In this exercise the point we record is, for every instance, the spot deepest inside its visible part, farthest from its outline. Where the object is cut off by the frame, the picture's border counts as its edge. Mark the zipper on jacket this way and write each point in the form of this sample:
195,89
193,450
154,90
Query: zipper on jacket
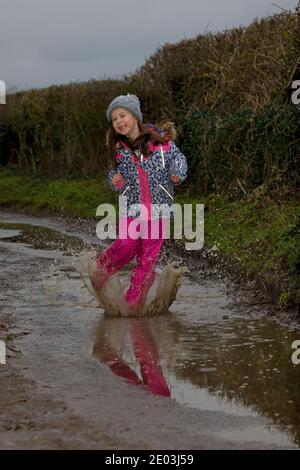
162,157
125,190
166,191
139,155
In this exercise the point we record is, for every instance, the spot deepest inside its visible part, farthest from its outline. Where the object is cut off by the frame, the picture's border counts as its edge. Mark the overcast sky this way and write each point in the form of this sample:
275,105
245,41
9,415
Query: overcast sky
44,42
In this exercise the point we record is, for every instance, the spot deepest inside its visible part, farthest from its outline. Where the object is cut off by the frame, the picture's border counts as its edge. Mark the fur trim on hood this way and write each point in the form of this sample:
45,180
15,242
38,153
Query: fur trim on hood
165,128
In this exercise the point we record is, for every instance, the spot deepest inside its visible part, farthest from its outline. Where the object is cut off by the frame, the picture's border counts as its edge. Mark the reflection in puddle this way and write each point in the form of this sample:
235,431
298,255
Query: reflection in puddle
39,238
144,352
239,366
269,435
4,234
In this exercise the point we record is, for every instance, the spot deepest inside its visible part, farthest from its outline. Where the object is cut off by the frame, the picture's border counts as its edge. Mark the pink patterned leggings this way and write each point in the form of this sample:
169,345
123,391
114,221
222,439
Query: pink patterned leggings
146,248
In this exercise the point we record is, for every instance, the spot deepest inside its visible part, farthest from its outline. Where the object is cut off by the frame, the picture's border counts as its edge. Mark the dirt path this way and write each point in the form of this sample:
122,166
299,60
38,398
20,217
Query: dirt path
55,393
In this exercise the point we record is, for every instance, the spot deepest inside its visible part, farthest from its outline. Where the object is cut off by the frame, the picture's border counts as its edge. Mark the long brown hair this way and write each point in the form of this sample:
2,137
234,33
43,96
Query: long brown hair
146,135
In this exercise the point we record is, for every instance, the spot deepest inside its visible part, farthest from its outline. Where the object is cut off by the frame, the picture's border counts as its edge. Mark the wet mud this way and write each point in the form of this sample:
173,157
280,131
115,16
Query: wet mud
210,373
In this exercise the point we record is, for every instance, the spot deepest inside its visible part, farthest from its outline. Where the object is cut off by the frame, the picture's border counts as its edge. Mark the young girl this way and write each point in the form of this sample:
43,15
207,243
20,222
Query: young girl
146,164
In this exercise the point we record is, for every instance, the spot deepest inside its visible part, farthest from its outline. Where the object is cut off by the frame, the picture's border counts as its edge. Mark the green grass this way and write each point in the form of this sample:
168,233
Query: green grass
76,197
259,232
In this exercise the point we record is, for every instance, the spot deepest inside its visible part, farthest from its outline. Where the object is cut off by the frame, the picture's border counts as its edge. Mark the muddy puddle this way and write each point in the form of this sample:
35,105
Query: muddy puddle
207,354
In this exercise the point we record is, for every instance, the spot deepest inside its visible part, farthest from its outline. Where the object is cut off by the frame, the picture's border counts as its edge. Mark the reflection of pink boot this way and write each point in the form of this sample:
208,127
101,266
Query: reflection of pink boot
146,353
105,353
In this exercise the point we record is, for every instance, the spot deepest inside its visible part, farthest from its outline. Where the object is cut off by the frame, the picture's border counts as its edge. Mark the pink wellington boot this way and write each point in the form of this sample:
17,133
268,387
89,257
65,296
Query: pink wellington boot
98,278
135,296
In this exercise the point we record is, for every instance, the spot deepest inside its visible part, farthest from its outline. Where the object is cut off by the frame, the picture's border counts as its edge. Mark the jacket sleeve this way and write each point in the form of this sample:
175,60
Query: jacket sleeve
121,167
178,163
111,174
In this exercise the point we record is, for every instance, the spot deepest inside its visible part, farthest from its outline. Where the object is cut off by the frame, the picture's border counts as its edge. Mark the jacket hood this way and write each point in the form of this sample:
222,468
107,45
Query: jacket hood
164,127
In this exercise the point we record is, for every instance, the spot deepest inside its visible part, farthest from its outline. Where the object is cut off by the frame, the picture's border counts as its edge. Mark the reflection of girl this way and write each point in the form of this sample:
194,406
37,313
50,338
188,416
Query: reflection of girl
145,166
145,350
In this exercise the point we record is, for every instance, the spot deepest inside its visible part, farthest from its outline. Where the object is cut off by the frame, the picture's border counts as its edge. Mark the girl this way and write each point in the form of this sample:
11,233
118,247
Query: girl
145,165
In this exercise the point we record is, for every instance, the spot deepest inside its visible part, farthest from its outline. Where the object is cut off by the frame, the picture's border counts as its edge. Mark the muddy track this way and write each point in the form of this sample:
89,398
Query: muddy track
59,389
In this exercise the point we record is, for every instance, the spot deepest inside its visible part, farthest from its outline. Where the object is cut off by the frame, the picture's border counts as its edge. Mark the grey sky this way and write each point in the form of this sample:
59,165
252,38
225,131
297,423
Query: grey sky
44,42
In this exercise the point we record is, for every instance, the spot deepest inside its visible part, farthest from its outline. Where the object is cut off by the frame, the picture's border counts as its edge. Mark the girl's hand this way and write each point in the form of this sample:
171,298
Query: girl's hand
175,179
118,179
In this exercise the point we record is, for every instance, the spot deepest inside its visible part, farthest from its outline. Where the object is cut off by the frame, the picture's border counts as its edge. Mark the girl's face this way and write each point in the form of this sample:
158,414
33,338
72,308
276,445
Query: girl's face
125,123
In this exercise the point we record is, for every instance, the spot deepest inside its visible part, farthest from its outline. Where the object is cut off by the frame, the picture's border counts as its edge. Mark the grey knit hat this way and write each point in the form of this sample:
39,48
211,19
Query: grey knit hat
129,102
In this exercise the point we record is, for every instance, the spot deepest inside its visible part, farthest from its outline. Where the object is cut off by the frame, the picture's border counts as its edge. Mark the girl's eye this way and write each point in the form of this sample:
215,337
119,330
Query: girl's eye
121,115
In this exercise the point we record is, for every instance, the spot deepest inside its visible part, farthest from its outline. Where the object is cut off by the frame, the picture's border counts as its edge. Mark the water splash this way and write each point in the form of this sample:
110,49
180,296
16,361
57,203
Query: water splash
111,296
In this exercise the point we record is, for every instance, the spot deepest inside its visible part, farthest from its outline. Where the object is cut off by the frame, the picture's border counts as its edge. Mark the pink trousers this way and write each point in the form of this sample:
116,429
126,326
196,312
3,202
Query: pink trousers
140,239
